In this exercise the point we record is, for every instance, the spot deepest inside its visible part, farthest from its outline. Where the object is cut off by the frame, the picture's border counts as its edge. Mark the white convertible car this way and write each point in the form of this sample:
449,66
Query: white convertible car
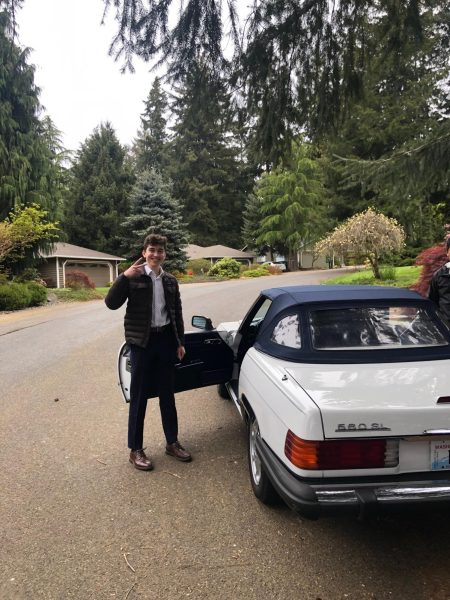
345,391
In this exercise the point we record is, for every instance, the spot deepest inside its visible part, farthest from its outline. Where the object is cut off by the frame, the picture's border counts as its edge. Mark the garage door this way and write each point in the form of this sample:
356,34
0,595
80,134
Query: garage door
98,272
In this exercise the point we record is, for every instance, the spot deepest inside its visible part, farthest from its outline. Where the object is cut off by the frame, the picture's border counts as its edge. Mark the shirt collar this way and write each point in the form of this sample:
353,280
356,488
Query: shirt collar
148,271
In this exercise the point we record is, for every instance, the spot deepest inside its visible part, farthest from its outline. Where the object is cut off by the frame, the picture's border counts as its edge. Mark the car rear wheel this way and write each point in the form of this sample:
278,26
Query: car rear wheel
262,487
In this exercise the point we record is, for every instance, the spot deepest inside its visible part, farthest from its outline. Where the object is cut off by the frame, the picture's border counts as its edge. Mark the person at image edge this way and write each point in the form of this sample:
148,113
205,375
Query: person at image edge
154,330
440,286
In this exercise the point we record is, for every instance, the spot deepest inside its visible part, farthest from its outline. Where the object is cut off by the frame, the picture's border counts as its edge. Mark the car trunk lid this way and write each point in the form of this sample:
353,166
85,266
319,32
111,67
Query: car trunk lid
368,400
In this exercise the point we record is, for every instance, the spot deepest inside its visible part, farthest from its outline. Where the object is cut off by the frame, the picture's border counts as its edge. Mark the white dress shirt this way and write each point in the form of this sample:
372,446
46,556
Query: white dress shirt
159,310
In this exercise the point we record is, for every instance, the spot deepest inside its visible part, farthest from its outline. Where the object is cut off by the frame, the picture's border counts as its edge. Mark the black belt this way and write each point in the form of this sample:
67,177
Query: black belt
160,329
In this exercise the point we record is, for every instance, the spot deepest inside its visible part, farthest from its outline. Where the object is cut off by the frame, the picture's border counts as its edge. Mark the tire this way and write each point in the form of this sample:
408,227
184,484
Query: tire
261,484
223,392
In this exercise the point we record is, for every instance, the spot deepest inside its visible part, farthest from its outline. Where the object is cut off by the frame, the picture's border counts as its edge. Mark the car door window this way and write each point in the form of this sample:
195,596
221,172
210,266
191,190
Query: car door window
261,312
251,325
287,332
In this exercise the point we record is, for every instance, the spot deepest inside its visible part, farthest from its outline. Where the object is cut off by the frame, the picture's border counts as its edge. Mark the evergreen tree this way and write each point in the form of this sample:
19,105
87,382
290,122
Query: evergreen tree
98,196
393,145
154,210
208,177
30,169
251,227
292,203
150,146
298,64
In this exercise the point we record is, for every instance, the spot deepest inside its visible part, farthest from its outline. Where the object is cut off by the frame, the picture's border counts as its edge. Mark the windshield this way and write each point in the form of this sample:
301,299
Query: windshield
368,328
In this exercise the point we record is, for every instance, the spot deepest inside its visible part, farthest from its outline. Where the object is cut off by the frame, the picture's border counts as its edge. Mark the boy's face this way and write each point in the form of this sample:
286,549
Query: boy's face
154,256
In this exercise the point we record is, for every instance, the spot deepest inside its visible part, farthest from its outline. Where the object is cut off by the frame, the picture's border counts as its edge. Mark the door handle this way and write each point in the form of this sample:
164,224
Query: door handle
213,341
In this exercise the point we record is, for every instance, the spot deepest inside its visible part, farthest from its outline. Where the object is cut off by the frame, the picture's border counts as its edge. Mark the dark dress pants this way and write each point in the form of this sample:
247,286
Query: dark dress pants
152,369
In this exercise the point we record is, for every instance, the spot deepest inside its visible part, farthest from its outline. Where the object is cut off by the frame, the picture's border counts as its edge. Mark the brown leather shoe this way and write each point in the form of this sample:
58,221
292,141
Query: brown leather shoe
140,461
177,450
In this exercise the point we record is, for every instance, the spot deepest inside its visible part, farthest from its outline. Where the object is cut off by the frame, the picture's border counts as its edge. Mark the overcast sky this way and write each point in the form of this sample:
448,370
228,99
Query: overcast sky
81,85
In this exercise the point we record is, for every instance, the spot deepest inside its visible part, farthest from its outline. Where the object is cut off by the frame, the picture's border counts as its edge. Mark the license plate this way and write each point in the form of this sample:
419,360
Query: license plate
440,455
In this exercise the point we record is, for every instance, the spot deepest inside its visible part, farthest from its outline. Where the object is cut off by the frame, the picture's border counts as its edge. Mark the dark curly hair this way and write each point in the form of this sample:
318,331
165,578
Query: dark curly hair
154,239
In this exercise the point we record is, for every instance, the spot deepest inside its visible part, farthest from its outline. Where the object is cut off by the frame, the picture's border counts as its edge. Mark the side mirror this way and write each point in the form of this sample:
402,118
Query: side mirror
202,323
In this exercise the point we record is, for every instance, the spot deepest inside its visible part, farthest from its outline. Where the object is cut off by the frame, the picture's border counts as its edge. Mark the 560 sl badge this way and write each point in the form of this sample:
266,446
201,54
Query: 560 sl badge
362,427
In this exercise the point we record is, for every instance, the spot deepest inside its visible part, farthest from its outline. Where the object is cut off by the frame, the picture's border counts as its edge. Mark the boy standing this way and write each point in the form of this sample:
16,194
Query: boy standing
154,330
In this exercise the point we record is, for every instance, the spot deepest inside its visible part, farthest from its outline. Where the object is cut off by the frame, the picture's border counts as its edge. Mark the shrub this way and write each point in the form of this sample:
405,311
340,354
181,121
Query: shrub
77,280
431,260
49,282
14,296
123,266
38,293
273,270
225,267
258,272
198,266
387,273
29,274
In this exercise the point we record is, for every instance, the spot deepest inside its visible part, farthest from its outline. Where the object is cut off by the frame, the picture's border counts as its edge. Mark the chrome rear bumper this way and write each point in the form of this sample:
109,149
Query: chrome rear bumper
387,494
313,498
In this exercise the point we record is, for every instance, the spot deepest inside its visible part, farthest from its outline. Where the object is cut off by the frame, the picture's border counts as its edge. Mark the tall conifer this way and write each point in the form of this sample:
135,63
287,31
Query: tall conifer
208,178
29,161
99,187
150,146
154,210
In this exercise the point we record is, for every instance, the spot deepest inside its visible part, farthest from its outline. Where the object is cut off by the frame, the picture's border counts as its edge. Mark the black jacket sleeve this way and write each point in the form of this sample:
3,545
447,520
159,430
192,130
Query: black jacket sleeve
179,316
118,293
433,292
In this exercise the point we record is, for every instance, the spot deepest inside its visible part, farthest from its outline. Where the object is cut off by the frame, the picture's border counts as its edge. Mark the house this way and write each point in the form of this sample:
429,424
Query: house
62,258
215,253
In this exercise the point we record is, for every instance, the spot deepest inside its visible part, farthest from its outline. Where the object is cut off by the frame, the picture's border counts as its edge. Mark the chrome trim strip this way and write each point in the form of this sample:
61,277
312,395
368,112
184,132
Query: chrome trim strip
235,399
412,493
436,432
337,496
385,494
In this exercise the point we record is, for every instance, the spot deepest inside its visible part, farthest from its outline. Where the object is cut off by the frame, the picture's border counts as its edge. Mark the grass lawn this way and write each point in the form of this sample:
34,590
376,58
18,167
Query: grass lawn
68,295
404,277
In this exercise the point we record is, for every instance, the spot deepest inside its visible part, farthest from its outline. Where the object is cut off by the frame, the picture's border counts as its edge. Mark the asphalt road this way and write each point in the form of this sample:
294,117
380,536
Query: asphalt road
78,522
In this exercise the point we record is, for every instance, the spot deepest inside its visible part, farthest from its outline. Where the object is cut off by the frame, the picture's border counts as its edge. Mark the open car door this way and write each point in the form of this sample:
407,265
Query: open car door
208,361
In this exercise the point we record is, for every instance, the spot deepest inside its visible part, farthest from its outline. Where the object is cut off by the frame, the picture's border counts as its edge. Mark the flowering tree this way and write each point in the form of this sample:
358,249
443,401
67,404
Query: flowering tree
369,234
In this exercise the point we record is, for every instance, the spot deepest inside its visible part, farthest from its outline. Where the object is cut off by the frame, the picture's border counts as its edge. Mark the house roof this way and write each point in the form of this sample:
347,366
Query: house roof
218,251
63,250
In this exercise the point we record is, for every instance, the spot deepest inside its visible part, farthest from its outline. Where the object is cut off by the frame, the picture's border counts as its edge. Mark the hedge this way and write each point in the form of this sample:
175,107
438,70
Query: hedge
14,296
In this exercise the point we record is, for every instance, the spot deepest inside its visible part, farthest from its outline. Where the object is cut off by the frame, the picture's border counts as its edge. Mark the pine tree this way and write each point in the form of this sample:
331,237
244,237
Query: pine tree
299,65
98,196
150,146
208,177
30,169
154,210
393,144
292,203
251,228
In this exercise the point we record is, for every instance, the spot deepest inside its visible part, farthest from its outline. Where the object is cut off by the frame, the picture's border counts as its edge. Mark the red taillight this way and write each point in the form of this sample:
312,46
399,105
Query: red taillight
340,454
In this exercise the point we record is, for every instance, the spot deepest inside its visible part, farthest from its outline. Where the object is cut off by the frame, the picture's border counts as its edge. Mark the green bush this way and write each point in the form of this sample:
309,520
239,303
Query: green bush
14,296
261,272
28,274
225,267
38,293
387,273
198,266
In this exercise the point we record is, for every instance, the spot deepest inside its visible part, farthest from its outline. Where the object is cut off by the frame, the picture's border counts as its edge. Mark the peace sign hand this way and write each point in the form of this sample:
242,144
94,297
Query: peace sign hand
136,269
